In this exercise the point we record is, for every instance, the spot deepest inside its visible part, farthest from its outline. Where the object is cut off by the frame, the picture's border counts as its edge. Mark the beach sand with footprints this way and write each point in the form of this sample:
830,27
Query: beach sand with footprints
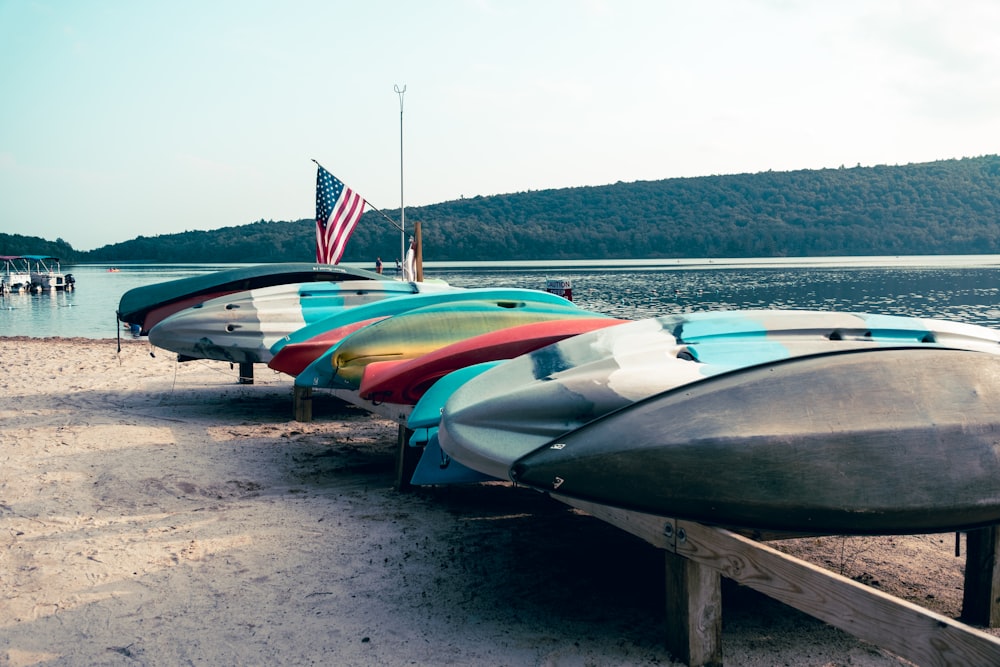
159,513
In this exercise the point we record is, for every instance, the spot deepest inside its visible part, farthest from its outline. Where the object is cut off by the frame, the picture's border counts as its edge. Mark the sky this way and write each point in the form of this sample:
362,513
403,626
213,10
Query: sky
121,118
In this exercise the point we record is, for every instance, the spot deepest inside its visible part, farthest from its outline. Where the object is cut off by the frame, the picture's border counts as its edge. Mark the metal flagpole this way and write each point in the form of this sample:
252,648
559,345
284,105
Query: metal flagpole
402,210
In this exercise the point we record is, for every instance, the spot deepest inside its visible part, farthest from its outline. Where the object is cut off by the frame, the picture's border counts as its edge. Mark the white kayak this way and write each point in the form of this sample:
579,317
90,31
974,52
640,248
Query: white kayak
242,327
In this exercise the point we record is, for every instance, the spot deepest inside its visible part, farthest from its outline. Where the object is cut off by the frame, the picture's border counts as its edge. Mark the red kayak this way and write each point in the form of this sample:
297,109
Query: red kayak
294,357
405,381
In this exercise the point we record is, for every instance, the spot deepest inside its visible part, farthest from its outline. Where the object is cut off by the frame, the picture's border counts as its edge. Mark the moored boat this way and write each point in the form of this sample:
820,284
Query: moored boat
45,273
16,274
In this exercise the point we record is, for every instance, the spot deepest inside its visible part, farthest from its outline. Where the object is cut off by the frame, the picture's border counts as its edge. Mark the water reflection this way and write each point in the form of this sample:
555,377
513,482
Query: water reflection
969,295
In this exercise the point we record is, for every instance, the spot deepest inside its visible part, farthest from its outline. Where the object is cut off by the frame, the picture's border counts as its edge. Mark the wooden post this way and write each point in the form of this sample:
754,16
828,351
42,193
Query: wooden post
694,612
981,595
246,372
406,458
302,405
418,252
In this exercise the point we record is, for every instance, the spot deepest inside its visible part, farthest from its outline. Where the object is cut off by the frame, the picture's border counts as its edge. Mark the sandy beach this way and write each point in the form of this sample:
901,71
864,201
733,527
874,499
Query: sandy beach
157,513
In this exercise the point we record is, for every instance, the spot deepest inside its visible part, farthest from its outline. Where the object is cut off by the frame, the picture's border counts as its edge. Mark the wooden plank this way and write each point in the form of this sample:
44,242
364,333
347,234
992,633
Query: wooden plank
694,612
909,631
981,595
657,530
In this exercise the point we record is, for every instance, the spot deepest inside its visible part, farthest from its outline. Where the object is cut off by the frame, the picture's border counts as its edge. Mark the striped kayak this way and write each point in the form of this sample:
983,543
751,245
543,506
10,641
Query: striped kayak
150,304
242,327
418,332
293,358
312,375
406,380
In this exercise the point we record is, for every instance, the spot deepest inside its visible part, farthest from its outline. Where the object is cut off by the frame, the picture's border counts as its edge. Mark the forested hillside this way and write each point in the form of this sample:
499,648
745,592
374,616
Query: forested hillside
945,207
16,244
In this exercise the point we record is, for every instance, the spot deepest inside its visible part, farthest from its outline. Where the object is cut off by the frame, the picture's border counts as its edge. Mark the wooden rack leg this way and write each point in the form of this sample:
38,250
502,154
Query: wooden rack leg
406,458
246,373
981,596
694,612
302,405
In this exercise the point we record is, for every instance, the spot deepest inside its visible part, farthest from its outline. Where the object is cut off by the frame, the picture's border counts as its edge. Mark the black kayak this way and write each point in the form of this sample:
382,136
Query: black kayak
878,441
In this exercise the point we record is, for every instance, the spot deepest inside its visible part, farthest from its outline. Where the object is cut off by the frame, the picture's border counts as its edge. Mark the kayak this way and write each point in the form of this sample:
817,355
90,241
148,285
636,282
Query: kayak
874,441
405,380
242,327
320,370
150,304
293,358
418,332
562,387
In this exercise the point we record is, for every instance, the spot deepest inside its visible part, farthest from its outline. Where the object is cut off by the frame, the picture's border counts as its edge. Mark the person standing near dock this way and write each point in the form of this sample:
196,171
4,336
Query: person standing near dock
378,265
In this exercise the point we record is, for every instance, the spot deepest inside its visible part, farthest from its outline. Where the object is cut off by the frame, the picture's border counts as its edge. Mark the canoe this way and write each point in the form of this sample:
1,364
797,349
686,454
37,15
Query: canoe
241,327
150,304
421,331
561,387
317,372
875,441
405,381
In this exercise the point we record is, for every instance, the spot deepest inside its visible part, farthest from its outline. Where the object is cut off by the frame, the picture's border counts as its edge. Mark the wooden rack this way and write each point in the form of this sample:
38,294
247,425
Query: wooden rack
697,556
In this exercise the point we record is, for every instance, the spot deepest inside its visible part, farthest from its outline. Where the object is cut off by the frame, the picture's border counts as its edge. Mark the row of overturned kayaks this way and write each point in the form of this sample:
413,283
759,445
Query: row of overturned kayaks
776,420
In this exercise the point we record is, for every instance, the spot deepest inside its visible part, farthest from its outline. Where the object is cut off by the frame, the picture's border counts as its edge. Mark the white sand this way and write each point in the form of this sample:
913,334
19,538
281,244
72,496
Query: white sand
155,513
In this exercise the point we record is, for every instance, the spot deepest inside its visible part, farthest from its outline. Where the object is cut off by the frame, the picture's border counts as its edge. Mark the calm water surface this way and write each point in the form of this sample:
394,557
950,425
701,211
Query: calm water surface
962,288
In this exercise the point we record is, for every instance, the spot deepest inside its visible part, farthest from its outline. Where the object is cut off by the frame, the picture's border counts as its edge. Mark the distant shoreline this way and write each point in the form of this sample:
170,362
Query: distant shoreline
836,261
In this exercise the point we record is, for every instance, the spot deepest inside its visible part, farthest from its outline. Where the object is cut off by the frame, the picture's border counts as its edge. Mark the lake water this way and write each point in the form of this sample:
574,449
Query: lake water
964,288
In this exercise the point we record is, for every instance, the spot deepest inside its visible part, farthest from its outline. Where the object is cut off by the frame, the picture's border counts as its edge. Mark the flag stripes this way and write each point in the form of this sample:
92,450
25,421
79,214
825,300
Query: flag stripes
338,210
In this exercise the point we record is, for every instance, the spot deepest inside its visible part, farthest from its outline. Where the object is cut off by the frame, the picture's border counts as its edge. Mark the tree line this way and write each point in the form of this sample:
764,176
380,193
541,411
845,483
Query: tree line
942,207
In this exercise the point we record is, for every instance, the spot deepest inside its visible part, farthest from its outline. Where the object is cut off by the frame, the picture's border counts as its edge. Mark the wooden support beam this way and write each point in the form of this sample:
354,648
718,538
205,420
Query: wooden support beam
694,612
302,404
981,595
907,630
246,373
406,458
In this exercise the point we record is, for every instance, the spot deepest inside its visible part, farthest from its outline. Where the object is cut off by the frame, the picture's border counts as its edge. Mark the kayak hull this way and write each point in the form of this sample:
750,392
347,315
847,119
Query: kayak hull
406,380
862,442
150,304
242,327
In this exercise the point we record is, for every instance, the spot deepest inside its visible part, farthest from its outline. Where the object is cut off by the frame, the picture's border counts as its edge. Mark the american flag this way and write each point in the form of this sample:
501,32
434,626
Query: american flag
338,209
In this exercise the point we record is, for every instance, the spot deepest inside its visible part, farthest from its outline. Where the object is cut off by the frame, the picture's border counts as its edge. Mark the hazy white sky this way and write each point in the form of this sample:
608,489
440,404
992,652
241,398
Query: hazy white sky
124,117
